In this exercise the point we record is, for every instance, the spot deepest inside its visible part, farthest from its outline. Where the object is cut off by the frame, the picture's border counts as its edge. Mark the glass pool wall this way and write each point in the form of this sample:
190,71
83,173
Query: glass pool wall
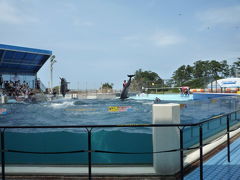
201,110
116,139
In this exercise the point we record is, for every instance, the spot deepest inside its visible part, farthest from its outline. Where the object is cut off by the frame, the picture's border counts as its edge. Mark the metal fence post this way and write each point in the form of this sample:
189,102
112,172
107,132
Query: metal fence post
3,154
201,151
228,137
181,153
89,154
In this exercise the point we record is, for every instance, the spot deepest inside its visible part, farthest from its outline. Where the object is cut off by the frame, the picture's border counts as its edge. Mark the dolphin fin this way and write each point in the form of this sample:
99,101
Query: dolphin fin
130,76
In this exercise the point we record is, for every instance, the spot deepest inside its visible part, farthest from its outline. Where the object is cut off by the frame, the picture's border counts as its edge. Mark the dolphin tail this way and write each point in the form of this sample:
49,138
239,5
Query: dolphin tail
130,76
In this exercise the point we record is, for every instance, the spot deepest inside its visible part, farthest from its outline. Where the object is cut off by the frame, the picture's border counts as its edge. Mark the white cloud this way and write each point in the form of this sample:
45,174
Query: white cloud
159,39
10,14
78,22
166,39
220,16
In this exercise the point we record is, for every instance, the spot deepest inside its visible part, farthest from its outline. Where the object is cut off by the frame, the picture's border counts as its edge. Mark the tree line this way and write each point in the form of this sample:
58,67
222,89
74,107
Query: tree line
204,72
201,73
198,75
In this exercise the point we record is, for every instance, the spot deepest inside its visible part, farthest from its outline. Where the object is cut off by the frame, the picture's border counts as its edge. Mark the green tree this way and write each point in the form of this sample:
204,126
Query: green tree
235,68
146,79
214,69
225,69
203,72
182,75
201,69
107,86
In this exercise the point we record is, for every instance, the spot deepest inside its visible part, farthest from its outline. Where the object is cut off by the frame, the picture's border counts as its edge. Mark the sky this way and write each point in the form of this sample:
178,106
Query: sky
99,41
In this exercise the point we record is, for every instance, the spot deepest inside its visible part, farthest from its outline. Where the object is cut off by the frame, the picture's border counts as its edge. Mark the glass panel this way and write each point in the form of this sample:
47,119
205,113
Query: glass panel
30,57
8,55
19,55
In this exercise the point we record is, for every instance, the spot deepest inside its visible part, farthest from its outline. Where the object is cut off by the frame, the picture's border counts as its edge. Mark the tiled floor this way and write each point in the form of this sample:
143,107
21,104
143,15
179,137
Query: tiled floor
218,168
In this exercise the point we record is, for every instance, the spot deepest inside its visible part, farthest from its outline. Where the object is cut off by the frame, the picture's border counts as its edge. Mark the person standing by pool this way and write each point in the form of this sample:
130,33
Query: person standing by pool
185,90
124,83
181,90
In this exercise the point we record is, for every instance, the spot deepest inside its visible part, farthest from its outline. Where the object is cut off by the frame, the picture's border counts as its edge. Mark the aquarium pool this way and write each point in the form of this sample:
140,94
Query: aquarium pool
163,97
99,112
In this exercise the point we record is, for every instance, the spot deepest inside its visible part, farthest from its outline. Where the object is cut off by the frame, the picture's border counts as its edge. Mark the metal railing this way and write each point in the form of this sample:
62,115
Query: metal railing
89,150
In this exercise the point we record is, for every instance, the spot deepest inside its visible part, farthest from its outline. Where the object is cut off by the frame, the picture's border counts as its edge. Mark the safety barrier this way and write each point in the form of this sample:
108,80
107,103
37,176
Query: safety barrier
89,150
223,90
197,90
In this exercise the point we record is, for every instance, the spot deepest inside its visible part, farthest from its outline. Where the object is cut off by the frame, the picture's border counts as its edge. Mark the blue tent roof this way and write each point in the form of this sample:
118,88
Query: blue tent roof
16,59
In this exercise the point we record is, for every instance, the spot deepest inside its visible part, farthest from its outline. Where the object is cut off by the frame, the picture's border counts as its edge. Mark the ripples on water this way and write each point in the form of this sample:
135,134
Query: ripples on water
96,112
76,112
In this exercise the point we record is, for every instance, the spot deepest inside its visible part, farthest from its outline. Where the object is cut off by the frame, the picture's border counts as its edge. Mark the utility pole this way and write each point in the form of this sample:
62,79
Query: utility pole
52,61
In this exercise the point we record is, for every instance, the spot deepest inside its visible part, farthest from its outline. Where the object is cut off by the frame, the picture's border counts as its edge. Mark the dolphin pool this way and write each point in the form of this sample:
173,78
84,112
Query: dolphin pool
163,97
136,110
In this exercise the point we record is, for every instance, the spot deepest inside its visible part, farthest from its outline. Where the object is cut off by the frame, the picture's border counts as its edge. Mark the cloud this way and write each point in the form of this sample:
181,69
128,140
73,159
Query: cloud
10,14
220,16
159,39
78,22
166,39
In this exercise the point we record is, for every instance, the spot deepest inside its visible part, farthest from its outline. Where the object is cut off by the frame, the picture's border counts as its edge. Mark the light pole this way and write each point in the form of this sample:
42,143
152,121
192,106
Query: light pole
52,61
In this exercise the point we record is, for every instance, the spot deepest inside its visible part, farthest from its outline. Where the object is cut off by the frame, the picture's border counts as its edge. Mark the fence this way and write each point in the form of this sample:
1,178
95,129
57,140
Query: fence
89,150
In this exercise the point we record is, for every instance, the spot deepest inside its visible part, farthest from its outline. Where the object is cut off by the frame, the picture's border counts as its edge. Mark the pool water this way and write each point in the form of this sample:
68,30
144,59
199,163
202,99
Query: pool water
99,112
110,112
78,112
163,97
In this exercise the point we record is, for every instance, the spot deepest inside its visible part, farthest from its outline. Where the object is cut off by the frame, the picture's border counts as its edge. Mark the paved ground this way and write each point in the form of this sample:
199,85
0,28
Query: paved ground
85,178
218,168
33,172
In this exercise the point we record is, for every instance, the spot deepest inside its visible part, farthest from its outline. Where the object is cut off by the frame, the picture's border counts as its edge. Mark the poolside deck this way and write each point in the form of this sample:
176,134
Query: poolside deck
48,172
218,167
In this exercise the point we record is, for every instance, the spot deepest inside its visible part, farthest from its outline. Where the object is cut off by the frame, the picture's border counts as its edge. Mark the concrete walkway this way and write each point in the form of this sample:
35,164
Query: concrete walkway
33,172
79,170
218,168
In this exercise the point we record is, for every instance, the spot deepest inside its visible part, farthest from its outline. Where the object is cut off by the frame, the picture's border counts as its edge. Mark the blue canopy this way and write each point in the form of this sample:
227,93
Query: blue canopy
22,60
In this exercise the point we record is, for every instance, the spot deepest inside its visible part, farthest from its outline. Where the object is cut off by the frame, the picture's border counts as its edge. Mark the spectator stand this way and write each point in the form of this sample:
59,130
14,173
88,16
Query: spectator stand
18,70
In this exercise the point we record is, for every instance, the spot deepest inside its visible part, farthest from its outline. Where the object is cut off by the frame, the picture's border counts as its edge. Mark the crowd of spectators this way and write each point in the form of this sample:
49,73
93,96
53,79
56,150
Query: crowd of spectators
15,88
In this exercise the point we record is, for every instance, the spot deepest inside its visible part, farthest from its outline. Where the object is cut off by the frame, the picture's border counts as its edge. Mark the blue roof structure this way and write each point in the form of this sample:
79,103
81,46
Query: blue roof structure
22,60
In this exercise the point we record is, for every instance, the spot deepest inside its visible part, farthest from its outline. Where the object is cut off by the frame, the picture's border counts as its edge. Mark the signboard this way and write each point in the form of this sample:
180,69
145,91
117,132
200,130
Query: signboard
119,108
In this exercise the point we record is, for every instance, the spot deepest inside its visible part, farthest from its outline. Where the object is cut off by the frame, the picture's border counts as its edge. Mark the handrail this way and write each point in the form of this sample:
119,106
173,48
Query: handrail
90,151
119,125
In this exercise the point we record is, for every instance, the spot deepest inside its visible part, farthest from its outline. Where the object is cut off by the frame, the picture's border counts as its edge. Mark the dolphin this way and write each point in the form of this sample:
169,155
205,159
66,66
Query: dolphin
64,86
124,93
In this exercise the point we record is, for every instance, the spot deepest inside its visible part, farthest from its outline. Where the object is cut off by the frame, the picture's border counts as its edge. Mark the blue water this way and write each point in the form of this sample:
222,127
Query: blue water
78,112
96,112
89,112
163,97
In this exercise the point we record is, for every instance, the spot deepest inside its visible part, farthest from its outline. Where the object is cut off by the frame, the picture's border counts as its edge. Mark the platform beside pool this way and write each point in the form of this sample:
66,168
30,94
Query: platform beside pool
218,166
199,96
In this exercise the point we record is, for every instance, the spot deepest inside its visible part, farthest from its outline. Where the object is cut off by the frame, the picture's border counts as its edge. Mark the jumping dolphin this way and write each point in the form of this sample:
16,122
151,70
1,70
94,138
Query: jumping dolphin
64,86
124,93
